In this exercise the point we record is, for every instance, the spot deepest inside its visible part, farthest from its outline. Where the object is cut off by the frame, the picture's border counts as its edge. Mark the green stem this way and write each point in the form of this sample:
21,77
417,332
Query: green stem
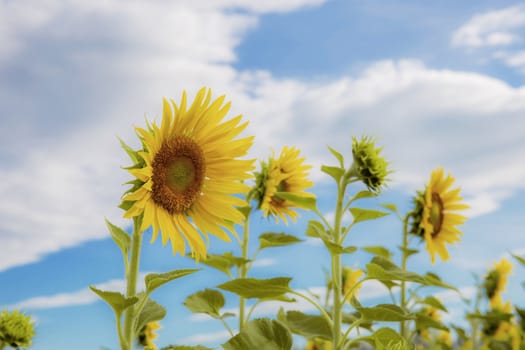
337,315
243,271
131,290
316,305
252,309
403,328
475,322
227,327
354,324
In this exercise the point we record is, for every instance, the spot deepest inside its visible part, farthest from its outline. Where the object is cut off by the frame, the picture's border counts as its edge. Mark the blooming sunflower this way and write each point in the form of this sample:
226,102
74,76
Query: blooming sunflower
284,174
350,278
439,217
148,335
496,281
188,172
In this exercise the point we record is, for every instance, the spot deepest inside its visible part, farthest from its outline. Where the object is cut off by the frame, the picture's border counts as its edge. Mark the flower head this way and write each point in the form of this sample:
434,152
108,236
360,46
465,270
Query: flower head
350,279
432,313
496,281
287,174
187,173
369,165
438,219
147,335
318,344
16,329
445,338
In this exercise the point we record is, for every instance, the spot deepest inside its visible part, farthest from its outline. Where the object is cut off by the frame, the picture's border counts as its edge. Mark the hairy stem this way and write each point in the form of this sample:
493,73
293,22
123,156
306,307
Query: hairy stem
337,315
404,254
131,290
243,271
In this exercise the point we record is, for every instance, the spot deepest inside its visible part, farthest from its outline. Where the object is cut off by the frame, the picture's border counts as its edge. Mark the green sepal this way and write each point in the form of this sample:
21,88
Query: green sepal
309,326
121,238
385,313
337,155
261,334
272,239
155,280
258,288
305,202
335,172
133,155
379,251
360,214
206,301
245,211
117,301
433,301
151,312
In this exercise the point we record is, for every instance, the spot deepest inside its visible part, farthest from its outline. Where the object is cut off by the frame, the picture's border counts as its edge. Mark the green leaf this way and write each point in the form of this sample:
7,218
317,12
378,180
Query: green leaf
338,249
462,334
335,172
379,251
360,214
155,280
305,202
261,334
407,251
150,313
206,301
391,207
384,270
224,262
386,339
363,194
520,259
245,211
186,347
309,326
338,155
271,239
258,288
424,322
120,237
349,318
317,230
433,301
117,301
385,313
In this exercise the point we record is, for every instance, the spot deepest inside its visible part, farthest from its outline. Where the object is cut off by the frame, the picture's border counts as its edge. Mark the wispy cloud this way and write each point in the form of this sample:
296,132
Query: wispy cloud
205,338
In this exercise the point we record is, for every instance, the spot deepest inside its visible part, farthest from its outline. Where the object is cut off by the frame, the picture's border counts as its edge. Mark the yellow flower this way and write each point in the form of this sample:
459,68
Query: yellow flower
350,278
148,335
284,174
439,218
444,337
496,281
432,313
188,173
318,344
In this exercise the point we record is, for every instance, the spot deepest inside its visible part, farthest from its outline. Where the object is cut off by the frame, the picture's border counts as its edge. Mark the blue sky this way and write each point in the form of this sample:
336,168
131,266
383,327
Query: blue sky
438,84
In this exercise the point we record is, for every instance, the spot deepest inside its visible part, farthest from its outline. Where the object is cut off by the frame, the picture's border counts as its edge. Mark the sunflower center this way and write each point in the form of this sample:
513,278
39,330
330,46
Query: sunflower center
281,187
436,213
178,174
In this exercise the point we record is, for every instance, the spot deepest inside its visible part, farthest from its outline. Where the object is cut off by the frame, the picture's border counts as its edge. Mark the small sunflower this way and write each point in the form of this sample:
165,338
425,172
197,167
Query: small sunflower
369,165
16,329
287,174
318,344
439,217
432,313
496,281
187,173
147,335
350,278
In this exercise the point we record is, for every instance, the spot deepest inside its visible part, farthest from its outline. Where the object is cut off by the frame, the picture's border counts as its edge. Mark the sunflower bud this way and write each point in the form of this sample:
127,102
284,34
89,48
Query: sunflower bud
16,329
369,166
147,335
350,278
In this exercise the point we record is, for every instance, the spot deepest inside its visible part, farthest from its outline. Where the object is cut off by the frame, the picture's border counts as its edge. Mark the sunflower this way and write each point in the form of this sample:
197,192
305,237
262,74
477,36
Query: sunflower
187,174
284,174
439,217
350,278
16,329
432,313
496,281
148,335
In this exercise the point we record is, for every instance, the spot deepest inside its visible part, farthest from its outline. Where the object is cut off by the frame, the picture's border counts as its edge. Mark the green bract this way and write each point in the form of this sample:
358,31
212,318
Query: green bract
16,329
369,166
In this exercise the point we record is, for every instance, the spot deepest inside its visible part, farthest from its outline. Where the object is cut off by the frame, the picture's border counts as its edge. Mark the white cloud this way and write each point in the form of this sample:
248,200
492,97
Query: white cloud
494,28
80,297
264,262
205,338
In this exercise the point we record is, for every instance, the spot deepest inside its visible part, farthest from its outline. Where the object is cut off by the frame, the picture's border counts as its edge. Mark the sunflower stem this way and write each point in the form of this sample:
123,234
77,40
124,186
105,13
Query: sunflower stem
243,271
337,315
131,290
404,258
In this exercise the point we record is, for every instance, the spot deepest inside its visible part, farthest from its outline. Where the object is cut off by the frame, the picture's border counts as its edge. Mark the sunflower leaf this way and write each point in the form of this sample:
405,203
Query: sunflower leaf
120,237
424,321
271,239
360,214
155,280
433,301
386,339
338,155
150,313
520,259
309,326
335,248
261,334
385,313
391,207
316,229
258,288
206,301
224,262
379,251
363,194
305,202
335,172
117,301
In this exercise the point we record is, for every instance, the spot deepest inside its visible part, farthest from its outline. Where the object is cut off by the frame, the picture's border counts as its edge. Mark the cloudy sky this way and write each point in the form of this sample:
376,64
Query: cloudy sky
438,84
